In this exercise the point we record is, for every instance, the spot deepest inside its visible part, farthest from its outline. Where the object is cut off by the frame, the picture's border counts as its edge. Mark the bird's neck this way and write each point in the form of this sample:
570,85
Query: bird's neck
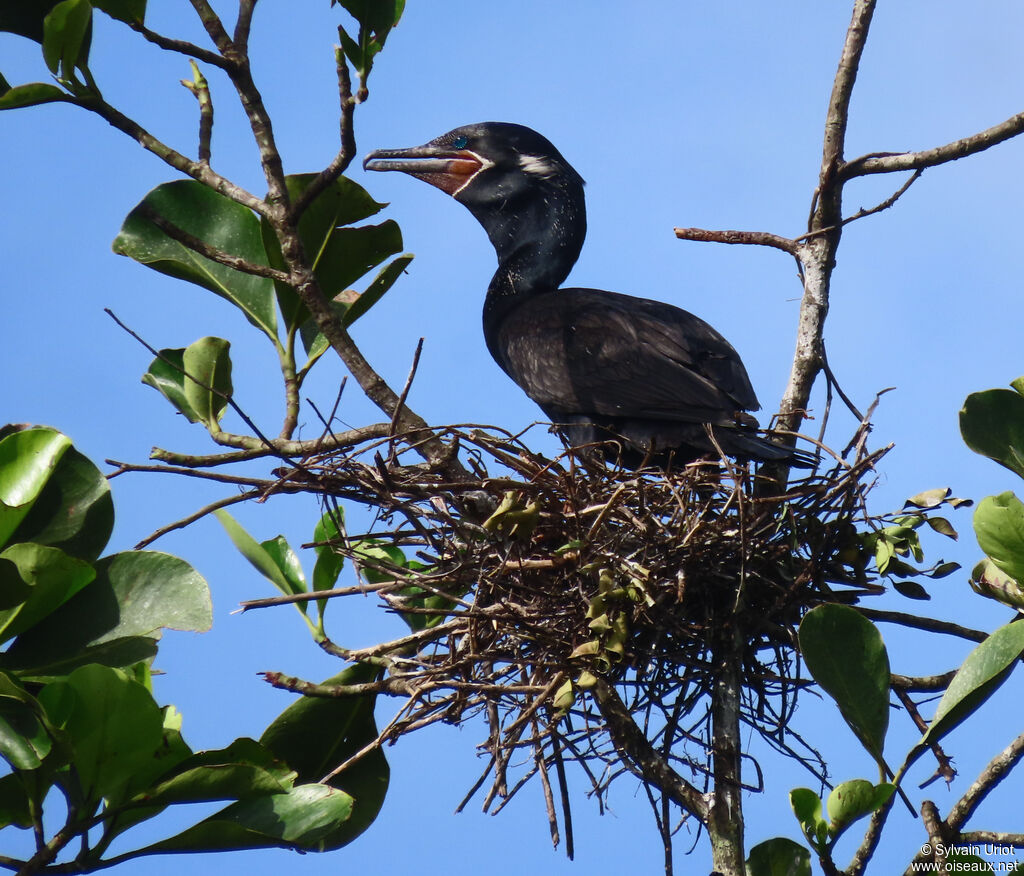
537,243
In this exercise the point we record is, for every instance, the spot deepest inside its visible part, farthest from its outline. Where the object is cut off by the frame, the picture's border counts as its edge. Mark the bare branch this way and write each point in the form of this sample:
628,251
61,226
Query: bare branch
922,623
997,769
200,88
754,238
182,47
197,515
637,750
891,162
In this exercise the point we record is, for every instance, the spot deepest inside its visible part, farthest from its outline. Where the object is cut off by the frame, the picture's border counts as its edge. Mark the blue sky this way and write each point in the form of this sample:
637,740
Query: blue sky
676,114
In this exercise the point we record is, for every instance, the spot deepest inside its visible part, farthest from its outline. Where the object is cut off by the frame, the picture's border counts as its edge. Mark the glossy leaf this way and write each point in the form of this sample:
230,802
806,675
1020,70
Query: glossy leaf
846,655
341,203
166,375
25,17
329,562
254,552
806,806
207,382
31,94
28,459
287,561
245,768
779,857
112,724
316,734
24,738
989,580
131,11
352,252
73,510
992,424
303,818
66,31
999,527
136,593
52,578
380,284
217,221
14,802
985,668
855,799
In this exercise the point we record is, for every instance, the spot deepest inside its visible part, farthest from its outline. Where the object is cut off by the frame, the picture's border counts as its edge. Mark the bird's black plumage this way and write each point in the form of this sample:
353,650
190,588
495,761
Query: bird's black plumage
600,364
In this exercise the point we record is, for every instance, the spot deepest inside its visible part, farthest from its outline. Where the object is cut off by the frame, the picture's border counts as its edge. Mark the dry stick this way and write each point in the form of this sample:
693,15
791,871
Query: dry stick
892,162
818,255
637,750
998,769
402,397
922,623
945,768
545,782
197,515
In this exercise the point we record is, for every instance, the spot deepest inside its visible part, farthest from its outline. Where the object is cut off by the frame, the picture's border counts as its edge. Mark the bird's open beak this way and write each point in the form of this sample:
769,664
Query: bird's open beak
446,168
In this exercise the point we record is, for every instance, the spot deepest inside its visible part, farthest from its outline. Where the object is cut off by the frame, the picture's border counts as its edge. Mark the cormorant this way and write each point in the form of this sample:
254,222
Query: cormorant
601,365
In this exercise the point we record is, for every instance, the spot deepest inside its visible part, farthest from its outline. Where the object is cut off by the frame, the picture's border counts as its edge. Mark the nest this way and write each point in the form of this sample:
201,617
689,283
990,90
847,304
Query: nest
558,598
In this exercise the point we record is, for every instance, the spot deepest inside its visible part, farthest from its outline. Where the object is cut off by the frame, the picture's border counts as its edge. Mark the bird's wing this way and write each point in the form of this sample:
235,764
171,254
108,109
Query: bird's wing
588,351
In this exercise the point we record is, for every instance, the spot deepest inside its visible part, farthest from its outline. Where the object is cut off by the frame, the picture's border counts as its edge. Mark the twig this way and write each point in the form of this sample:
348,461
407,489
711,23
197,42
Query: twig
861,213
922,623
182,47
754,238
206,250
400,406
347,150
997,769
192,518
200,88
892,162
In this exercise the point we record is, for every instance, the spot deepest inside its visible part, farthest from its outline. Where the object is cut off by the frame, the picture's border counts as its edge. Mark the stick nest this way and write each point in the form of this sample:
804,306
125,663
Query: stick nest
558,596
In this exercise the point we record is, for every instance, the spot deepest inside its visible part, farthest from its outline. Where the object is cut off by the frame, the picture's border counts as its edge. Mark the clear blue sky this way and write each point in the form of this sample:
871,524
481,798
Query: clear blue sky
676,114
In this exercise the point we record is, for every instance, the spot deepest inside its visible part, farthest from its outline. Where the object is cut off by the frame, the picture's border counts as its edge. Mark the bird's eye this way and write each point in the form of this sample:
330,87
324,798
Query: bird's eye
460,142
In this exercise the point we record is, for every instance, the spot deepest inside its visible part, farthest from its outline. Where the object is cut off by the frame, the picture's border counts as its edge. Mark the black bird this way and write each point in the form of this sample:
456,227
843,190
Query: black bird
601,365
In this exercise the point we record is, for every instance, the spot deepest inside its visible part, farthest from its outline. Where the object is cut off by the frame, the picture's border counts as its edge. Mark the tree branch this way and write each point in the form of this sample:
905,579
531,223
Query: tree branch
892,162
634,746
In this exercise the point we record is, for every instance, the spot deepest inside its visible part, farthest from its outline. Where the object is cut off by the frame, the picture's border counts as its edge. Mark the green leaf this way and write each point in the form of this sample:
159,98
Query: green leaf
136,593
130,11
66,36
350,253
315,734
28,459
282,555
985,668
846,655
208,379
341,203
329,562
166,375
992,424
73,510
25,17
24,738
990,581
304,818
999,527
15,808
942,526
254,552
806,807
779,857
111,723
52,578
31,94
243,769
380,284
855,799
217,221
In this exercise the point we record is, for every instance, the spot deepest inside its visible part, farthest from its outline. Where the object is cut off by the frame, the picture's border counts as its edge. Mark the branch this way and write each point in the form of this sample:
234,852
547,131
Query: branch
197,515
206,250
922,623
348,140
891,162
182,47
998,768
754,238
634,746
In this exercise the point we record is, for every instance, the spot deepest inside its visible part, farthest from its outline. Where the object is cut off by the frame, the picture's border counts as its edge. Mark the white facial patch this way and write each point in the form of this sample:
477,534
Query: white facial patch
537,165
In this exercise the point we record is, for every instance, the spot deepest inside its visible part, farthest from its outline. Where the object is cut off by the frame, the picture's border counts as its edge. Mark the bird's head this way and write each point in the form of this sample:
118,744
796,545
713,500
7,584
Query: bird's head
487,166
